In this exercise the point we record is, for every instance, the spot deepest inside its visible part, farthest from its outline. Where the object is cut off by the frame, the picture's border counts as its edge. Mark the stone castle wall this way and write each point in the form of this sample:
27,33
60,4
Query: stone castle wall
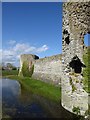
46,69
76,17
29,58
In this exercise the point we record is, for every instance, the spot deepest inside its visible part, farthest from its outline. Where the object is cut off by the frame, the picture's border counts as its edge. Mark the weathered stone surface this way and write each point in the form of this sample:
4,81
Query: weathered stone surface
29,58
76,17
48,69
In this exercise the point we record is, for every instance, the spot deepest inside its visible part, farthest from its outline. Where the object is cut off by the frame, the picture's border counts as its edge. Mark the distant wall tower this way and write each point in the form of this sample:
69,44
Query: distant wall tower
76,18
28,58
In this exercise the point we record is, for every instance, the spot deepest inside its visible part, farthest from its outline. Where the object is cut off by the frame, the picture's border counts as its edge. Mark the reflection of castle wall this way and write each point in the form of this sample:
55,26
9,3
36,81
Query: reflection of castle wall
75,25
25,96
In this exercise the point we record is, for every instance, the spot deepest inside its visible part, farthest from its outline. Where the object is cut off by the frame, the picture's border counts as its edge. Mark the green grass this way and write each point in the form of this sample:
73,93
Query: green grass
9,72
86,71
46,90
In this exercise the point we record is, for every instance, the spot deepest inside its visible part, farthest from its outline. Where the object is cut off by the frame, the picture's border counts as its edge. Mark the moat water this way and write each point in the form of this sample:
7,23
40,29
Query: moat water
20,103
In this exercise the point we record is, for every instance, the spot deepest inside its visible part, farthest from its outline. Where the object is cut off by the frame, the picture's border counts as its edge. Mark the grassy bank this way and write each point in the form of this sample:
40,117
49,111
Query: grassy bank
46,90
9,72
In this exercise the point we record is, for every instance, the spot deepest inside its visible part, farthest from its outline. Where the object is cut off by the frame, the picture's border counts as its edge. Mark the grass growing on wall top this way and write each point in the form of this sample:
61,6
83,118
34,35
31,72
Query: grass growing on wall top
86,71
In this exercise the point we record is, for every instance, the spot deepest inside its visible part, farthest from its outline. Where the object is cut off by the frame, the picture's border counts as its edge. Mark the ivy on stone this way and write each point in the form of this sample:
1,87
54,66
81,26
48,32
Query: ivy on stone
26,71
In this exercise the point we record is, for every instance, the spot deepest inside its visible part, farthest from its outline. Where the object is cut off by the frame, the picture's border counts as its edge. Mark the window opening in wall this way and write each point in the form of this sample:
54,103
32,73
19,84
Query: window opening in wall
65,32
76,64
87,40
67,40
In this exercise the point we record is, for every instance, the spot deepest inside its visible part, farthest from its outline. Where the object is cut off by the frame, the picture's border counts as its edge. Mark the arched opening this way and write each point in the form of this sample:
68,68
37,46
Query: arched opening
67,40
76,64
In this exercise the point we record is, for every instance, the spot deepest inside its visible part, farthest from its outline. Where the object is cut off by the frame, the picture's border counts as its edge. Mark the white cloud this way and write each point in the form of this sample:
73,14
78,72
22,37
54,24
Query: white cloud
20,47
42,49
0,56
12,54
12,42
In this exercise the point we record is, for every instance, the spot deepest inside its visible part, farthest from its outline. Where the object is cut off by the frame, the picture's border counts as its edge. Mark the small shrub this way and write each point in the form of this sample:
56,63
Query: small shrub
14,68
70,81
73,88
76,110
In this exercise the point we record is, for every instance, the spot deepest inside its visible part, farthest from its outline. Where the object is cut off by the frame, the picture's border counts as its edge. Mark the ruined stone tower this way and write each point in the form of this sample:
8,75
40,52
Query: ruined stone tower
76,18
28,58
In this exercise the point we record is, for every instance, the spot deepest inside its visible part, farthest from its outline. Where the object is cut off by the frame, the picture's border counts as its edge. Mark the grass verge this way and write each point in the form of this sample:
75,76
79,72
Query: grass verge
9,72
41,88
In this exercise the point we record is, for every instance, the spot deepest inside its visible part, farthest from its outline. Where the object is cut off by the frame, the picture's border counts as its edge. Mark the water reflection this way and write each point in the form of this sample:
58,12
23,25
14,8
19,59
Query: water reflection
0,99
19,103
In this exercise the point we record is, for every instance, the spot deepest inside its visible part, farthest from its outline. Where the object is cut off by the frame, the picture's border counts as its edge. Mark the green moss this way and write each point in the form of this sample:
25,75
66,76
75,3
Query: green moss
73,86
26,71
32,70
76,110
86,71
70,81
77,81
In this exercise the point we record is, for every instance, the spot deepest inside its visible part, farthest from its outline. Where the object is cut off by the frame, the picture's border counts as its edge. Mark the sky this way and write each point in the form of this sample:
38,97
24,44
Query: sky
31,28
87,40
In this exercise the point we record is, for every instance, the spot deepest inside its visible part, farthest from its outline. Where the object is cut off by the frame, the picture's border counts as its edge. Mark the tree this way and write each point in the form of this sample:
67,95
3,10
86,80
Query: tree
10,66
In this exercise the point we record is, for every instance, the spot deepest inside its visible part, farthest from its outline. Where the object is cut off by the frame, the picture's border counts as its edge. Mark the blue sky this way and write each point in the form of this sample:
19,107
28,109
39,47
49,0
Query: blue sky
31,28
87,39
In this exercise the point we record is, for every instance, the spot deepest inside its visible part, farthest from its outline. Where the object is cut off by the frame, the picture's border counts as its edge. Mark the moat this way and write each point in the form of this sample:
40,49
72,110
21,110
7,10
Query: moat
19,103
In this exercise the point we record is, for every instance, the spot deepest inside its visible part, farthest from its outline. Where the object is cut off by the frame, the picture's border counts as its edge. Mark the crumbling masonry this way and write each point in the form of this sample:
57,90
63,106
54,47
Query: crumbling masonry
76,18
68,70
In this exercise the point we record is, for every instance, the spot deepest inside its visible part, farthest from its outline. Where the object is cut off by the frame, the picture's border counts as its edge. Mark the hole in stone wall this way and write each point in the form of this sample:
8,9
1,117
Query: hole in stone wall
87,39
65,32
36,57
76,64
83,46
67,40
